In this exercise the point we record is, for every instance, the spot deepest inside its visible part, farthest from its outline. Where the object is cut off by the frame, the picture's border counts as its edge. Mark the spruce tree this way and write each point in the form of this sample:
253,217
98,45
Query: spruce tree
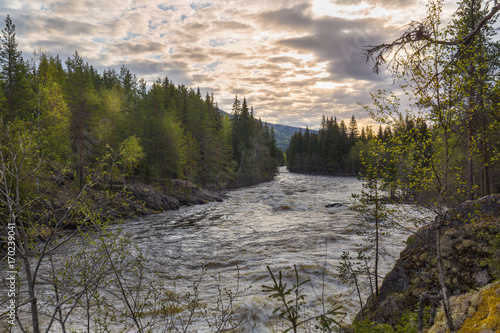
15,84
82,101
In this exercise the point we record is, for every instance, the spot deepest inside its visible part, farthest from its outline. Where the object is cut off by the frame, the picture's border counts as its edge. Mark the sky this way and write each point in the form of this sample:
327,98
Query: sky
294,61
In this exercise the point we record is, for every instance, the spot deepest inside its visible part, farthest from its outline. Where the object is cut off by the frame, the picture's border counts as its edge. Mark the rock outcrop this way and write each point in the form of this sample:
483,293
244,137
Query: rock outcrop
470,261
123,202
474,312
181,193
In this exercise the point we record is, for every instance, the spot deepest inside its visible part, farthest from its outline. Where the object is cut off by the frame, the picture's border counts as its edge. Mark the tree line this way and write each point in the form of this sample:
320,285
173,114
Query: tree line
334,149
160,132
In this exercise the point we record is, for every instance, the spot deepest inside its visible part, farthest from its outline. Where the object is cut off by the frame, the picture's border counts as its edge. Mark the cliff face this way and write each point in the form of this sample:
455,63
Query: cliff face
470,260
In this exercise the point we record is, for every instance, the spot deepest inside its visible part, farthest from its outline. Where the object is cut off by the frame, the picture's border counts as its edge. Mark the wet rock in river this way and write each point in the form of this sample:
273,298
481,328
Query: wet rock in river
336,204
182,193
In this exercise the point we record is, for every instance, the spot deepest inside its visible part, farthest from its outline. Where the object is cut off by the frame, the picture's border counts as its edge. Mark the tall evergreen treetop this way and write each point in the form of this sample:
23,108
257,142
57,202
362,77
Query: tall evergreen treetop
10,56
11,61
236,106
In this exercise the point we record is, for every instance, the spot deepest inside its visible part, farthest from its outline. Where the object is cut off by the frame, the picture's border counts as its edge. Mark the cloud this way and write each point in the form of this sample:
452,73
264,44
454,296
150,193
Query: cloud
195,54
58,25
230,26
195,27
391,4
293,63
150,70
286,60
125,48
297,17
340,43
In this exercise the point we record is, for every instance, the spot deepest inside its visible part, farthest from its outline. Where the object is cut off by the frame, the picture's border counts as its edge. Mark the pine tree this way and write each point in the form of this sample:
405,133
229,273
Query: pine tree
15,74
82,101
353,131
129,86
153,136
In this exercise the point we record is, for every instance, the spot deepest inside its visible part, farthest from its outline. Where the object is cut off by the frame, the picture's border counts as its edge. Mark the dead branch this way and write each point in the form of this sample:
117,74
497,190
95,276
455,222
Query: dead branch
421,32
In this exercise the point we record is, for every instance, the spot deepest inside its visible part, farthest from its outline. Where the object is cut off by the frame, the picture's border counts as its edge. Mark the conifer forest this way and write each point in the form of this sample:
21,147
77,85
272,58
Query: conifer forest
129,205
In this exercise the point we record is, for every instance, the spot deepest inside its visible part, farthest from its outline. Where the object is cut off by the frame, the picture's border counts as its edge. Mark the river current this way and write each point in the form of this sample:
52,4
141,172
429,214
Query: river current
295,219
279,224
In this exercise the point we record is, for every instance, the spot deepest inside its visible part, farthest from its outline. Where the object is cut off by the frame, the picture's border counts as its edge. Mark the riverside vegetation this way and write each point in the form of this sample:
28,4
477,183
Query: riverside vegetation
82,137
439,149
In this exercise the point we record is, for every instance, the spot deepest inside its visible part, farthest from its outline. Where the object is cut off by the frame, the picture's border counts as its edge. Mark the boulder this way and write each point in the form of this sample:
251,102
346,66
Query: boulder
336,204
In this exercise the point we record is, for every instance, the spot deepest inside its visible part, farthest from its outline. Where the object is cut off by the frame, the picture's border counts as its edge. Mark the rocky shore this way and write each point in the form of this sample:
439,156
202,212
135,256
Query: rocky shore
119,202
181,193
141,199
469,241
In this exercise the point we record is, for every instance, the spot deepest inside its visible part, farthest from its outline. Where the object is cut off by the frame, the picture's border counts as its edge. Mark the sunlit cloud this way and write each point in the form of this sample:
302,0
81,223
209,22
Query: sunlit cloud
294,60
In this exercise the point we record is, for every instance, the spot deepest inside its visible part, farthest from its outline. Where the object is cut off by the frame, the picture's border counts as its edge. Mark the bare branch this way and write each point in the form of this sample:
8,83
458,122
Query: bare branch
421,32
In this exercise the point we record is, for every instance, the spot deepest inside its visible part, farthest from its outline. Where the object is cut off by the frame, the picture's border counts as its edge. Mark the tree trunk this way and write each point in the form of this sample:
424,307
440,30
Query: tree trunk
376,239
32,295
486,157
442,282
470,164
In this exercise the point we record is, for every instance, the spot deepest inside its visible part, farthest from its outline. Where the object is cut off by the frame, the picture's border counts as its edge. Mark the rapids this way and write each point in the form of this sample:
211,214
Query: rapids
295,219
279,223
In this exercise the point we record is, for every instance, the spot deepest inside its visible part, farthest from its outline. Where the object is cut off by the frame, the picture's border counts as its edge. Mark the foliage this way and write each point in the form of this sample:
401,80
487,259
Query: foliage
292,303
331,150
408,324
132,153
253,145
349,272
377,219
370,327
289,309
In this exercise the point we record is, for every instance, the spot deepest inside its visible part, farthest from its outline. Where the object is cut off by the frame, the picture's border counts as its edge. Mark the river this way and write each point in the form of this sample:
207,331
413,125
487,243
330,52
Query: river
295,219
279,224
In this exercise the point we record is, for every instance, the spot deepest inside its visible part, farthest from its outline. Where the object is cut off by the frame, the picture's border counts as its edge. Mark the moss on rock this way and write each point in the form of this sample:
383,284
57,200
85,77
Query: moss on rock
474,312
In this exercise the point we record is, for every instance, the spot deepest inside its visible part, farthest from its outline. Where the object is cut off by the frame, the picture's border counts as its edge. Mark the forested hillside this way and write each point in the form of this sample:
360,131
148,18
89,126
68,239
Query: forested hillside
335,149
282,133
155,133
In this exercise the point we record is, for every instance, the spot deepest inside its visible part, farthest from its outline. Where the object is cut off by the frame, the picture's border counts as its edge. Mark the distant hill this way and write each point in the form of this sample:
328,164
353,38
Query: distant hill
283,133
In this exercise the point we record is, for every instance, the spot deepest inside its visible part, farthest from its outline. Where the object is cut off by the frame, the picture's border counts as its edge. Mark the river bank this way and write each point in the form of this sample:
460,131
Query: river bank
468,237
119,201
